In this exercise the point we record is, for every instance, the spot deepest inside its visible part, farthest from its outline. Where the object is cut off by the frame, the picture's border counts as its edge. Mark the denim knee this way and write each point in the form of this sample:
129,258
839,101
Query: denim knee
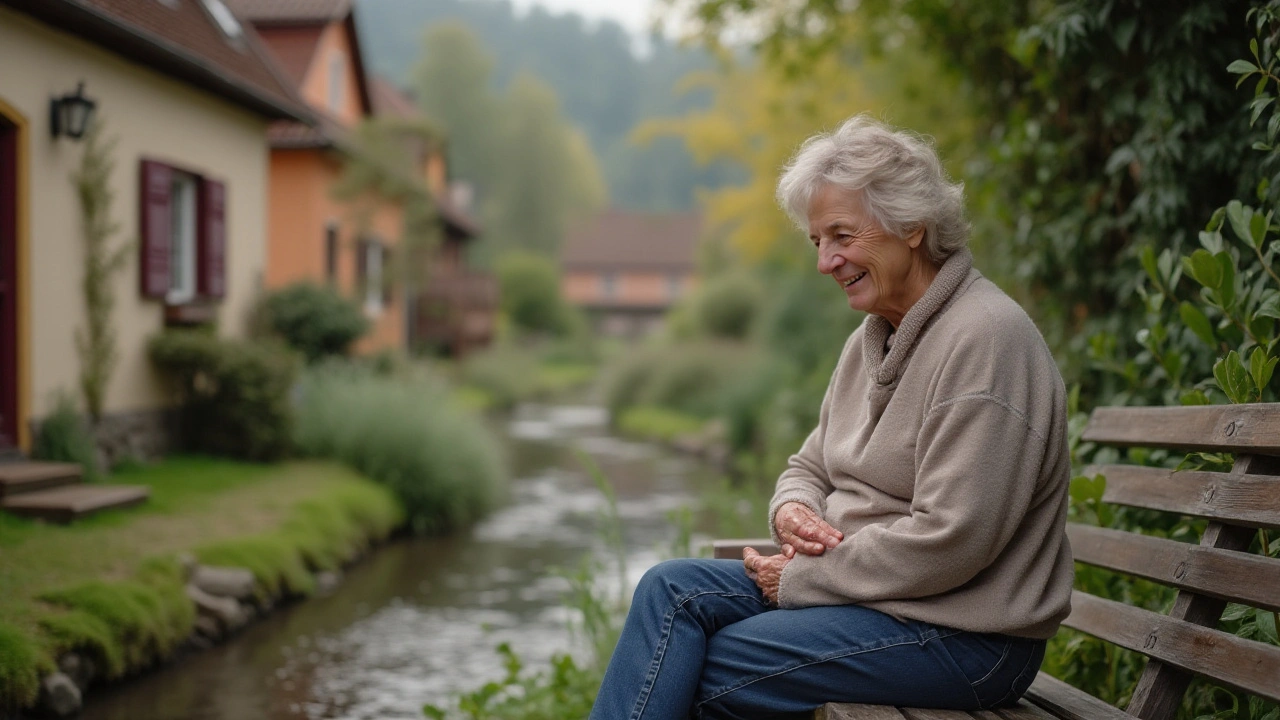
672,577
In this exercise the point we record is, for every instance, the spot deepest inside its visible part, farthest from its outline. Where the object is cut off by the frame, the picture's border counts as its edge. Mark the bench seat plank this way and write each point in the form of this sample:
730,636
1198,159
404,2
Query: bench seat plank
848,711
930,714
1248,428
1249,500
1225,574
1023,711
1244,664
1064,701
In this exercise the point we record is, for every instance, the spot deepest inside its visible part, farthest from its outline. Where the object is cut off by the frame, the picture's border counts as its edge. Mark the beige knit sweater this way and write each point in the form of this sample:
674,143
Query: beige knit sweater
944,462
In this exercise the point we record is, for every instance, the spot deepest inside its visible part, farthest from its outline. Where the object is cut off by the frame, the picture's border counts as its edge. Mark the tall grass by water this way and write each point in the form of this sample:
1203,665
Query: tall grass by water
407,433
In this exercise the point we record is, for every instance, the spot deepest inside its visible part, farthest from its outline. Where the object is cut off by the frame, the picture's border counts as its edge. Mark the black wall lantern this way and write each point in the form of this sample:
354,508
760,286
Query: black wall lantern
70,115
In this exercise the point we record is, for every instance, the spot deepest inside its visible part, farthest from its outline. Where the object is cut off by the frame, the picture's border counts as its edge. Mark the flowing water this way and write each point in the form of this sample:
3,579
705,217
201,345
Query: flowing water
418,620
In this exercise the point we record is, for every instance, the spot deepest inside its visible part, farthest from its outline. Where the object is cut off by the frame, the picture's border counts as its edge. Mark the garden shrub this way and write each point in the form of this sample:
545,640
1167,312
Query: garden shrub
440,460
728,304
530,289
65,436
316,320
235,394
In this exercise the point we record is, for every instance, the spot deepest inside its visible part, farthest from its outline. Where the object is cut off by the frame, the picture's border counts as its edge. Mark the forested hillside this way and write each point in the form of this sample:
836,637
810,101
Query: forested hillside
601,84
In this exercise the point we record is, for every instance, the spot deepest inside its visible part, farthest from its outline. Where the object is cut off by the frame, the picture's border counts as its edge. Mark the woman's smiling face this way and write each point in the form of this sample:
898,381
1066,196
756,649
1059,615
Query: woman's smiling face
880,273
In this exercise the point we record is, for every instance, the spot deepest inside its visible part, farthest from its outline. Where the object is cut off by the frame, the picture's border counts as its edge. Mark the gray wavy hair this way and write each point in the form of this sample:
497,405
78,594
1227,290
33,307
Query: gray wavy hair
901,181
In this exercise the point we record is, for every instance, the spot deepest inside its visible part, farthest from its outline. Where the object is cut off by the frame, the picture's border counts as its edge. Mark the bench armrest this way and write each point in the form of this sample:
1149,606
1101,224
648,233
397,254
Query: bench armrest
732,549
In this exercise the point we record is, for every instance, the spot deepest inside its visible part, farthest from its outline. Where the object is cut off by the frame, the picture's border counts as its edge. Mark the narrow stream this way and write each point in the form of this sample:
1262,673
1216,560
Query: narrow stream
418,620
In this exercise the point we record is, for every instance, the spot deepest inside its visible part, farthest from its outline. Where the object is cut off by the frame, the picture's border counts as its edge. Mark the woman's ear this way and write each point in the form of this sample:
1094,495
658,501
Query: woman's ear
915,238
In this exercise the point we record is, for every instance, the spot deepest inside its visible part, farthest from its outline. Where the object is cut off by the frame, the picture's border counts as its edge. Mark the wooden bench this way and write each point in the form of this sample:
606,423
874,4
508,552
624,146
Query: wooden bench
1219,569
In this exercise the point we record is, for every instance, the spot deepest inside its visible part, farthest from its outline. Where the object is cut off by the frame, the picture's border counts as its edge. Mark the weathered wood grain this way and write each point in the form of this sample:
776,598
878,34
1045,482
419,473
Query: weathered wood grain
1068,703
1024,711
849,711
1236,576
1248,428
929,714
1243,664
1161,686
732,549
1249,500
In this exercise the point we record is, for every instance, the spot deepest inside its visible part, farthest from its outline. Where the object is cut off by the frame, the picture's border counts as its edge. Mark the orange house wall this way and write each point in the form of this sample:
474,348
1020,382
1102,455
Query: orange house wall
315,84
301,207
639,289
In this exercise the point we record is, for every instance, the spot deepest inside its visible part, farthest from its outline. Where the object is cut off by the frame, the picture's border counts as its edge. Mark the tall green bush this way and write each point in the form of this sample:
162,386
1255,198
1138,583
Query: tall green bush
442,461
64,436
316,320
530,289
235,395
728,304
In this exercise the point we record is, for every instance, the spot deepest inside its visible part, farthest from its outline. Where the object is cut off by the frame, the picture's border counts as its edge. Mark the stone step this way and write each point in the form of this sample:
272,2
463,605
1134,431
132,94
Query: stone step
31,476
64,504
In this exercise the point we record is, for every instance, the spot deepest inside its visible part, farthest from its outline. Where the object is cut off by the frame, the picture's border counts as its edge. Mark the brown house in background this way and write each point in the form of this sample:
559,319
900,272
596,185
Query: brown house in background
626,269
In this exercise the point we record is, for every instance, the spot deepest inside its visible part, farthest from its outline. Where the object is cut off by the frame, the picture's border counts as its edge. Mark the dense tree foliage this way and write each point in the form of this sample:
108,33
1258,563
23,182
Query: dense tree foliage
604,85
532,171
1106,127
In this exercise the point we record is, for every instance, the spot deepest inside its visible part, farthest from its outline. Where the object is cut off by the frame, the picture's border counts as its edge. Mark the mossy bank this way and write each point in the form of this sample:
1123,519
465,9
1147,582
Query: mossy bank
118,593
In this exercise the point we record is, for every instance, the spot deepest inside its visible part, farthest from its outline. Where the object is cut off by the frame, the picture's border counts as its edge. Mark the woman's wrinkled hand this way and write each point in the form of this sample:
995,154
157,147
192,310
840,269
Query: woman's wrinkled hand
802,529
765,571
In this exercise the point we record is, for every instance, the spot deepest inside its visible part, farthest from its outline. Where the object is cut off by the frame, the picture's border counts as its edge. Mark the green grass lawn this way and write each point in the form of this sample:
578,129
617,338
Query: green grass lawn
658,423
110,584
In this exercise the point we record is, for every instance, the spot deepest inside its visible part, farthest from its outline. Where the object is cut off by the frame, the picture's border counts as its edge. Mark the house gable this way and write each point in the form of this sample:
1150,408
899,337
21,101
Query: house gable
333,82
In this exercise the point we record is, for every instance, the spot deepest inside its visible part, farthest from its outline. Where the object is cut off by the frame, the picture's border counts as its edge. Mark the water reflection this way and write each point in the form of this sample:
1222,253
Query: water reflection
418,621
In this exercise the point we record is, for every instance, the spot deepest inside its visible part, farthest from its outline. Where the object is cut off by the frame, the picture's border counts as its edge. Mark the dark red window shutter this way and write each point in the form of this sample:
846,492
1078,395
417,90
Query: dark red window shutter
362,269
156,195
386,276
211,267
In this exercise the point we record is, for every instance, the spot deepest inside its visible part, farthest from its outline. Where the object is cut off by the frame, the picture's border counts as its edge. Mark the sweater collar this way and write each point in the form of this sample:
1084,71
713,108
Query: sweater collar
883,366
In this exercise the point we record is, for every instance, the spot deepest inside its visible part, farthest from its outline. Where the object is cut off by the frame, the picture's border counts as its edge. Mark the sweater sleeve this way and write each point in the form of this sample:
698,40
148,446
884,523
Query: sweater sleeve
805,480
978,461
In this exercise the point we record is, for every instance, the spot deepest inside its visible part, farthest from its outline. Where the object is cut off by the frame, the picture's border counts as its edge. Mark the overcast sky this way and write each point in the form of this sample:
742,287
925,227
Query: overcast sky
631,14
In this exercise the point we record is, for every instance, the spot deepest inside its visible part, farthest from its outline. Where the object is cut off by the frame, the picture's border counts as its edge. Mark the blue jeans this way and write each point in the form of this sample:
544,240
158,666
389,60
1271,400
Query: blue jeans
701,642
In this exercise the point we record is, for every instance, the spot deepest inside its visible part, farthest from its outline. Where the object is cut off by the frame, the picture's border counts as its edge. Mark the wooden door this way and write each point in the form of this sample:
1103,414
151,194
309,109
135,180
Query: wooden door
8,285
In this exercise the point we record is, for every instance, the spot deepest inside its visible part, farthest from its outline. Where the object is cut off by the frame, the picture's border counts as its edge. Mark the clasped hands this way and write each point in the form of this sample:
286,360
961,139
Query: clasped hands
801,530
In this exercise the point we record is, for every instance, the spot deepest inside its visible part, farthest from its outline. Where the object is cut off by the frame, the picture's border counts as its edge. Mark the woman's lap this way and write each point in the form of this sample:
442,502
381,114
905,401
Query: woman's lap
758,662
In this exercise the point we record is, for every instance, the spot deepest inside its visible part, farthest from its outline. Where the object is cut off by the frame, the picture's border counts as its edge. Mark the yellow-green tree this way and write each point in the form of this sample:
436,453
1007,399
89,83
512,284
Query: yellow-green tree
763,111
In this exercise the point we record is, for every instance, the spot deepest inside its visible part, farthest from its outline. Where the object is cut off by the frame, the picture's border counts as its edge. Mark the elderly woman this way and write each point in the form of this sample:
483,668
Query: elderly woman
924,560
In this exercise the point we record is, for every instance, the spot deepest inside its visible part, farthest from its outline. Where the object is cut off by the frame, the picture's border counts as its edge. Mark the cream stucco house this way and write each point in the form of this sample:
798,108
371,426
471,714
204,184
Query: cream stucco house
188,92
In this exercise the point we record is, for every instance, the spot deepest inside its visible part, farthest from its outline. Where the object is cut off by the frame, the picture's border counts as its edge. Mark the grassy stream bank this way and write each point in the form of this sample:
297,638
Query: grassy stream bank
99,587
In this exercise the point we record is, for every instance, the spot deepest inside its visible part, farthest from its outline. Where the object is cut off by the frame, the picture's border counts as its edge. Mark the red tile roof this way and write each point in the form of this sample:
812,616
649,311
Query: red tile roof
622,240
179,38
265,12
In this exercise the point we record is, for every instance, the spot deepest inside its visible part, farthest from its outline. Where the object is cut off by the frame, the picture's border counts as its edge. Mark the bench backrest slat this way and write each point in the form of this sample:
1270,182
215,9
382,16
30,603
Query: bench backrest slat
1234,576
1070,704
1243,664
1248,500
1250,428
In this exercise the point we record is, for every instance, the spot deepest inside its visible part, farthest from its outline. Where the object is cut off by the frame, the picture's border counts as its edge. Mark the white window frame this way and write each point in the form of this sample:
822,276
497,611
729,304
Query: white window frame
183,246
373,278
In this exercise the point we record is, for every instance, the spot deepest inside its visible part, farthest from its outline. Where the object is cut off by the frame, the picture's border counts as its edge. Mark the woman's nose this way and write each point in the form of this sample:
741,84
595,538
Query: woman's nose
828,261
